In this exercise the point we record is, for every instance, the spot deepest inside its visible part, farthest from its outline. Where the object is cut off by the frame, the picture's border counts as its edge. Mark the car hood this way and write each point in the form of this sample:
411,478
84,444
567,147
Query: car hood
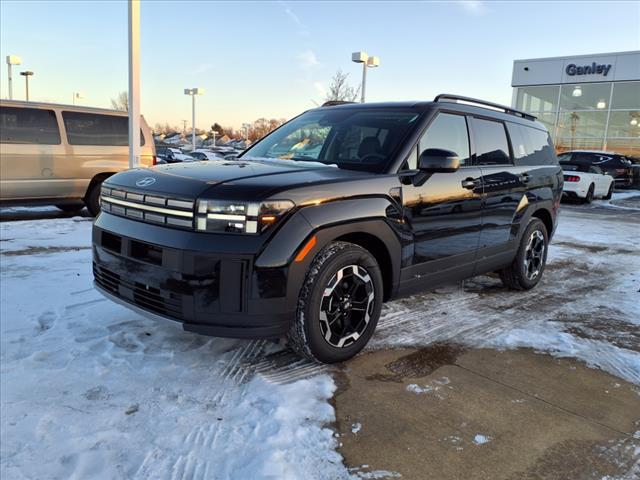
254,178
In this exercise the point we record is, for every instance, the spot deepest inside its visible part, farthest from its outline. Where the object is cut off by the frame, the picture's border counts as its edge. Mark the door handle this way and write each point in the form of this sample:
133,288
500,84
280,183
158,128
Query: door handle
469,183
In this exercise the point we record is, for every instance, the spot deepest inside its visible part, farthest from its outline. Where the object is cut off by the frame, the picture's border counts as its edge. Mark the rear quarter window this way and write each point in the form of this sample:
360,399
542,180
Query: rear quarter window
28,126
531,146
97,129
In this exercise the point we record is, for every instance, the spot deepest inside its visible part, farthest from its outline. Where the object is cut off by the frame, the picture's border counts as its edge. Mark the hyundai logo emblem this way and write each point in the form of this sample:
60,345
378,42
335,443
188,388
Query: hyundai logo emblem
146,182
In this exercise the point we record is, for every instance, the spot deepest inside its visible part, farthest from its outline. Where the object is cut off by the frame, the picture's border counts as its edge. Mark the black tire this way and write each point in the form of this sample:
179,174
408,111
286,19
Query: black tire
92,200
70,207
517,276
589,198
609,192
306,334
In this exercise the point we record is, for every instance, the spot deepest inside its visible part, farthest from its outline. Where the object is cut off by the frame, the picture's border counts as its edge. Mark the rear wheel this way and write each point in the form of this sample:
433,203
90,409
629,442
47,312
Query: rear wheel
609,192
339,304
92,200
589,197
526,269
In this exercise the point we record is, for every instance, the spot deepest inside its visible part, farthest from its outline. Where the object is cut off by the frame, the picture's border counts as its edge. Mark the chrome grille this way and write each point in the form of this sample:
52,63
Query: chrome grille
151,208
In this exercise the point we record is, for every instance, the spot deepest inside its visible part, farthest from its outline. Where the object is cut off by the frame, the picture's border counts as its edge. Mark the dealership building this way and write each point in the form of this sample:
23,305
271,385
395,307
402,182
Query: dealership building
586,101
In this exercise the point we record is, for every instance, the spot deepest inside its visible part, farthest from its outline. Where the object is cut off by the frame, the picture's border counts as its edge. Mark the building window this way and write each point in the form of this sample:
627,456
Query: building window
582,124
537,99
624,124
626,96
589,96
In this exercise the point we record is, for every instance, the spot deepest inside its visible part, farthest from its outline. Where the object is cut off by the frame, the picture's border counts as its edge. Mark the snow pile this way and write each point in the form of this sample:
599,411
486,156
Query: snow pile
480,439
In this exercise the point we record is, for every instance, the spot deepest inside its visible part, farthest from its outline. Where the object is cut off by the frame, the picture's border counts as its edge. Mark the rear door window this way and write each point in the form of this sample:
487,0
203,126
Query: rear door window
28,126
492,147
97,129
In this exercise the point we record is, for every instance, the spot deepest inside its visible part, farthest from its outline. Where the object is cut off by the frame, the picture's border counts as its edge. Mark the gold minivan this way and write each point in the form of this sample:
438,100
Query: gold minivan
60,154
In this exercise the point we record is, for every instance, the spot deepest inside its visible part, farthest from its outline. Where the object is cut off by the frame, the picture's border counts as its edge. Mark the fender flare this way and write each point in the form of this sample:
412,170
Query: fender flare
366,216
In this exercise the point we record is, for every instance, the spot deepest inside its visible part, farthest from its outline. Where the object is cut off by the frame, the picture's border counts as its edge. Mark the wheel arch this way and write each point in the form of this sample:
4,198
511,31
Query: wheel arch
376,247
98,178
545,216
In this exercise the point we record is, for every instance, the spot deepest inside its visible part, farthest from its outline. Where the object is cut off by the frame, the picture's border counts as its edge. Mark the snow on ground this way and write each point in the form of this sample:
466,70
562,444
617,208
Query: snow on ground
90,389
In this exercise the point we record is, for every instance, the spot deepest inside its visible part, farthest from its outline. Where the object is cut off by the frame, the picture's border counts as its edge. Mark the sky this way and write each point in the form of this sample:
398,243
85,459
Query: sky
275,59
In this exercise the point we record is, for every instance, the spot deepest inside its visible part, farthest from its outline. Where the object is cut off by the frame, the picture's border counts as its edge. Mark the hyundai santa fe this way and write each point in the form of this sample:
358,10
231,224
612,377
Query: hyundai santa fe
345,207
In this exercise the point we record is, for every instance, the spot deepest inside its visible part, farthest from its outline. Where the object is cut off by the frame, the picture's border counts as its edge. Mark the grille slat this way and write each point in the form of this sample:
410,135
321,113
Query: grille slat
148,208
148,299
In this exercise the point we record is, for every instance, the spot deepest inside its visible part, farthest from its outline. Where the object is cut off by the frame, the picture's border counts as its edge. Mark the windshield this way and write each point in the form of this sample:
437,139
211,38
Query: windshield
346,138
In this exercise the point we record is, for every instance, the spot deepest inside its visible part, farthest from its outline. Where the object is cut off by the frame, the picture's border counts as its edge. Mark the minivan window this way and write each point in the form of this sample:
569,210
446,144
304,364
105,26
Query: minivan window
448,132
97,129
491,143
28,126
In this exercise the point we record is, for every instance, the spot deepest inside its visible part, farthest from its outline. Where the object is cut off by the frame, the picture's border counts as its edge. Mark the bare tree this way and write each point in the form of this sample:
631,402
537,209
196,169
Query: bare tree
121,102
340,90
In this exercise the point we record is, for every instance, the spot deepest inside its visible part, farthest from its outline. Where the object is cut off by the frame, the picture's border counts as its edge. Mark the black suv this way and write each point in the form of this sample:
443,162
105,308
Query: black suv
339,210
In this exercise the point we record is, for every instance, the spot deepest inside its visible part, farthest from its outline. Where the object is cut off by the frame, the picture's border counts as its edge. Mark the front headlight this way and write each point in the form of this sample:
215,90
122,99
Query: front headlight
239,217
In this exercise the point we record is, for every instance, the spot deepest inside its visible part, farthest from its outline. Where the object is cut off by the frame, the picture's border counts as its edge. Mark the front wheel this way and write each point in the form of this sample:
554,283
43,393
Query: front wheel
526,269
339,304
92,200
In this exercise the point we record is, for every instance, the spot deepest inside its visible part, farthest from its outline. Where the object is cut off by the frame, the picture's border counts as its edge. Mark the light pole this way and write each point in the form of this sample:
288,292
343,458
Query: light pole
12,60
367,62
26,74
134,82
77,96
193,92
246,127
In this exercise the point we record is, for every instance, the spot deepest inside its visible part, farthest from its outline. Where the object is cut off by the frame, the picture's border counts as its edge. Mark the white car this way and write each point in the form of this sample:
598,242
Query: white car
205,155
586,182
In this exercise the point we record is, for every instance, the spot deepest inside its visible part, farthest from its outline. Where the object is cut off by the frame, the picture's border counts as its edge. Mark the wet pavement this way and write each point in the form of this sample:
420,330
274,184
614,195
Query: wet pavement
446,412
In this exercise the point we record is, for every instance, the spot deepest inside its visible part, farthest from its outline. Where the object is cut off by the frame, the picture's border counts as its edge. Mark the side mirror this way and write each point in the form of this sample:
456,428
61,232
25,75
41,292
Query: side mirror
436,160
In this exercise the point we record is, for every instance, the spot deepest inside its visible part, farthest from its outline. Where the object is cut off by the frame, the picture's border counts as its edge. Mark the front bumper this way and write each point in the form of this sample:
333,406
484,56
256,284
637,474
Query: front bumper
209,292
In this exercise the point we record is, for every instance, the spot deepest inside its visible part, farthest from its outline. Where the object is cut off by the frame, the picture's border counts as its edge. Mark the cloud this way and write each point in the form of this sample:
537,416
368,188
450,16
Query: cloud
473,7
308,60
301,27
202,68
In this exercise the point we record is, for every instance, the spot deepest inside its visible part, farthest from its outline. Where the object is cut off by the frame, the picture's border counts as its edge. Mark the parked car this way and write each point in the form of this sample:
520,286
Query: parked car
205,155
586,182
620,167
401,197
60,154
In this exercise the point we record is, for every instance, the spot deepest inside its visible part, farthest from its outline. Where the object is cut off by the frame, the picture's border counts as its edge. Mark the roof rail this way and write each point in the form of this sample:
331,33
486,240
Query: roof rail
505,109
333,103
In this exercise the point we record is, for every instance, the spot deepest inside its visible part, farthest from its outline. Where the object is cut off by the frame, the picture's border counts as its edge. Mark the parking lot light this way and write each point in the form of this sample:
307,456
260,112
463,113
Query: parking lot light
367,62
193,92
26,74
12,60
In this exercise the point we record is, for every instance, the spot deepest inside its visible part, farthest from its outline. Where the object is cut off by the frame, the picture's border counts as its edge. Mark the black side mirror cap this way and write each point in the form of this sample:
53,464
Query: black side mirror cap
437,160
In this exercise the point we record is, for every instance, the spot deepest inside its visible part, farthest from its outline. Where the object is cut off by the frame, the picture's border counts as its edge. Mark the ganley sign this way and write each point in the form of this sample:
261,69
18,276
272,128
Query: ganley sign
593,69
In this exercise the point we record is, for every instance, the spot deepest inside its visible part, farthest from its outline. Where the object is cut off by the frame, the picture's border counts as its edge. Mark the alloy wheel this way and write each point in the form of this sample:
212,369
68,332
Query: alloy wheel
346,306
534,255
